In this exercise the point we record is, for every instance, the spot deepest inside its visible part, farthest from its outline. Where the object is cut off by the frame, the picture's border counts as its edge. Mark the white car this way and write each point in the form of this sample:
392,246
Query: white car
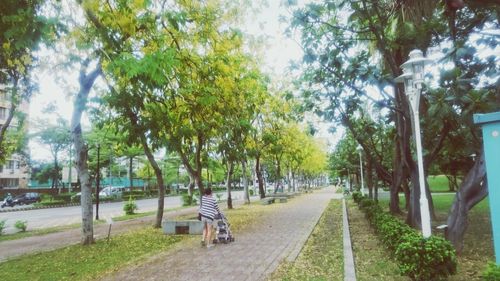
111,191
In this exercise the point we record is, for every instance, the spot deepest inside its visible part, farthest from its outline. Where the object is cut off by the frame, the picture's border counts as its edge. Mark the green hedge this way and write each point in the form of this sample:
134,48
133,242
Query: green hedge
136,194
420,259
133,196
50,203
66,197
133,192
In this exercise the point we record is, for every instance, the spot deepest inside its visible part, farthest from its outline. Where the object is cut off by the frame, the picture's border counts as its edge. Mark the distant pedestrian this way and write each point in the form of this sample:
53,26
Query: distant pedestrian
208,210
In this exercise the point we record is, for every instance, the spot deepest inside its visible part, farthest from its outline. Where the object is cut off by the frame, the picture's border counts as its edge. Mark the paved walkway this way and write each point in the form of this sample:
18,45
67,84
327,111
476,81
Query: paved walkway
255,254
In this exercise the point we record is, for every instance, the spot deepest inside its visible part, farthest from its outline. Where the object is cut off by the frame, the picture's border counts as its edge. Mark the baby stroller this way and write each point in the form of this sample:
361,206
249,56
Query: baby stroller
222,231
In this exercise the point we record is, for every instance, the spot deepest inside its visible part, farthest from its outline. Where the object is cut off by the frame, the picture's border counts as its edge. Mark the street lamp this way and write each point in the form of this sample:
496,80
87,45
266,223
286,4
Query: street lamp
360,151
413,78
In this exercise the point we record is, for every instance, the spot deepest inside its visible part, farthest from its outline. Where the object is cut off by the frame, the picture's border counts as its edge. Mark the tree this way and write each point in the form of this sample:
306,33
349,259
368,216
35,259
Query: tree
23,28
58,138
86,81
341,71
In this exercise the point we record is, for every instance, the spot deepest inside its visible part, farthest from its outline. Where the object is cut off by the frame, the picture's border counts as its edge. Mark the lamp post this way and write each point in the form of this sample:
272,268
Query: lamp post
360,151
413,78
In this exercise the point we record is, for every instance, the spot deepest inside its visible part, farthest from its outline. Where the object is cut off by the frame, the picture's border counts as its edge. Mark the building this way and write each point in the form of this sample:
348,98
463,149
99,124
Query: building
14,173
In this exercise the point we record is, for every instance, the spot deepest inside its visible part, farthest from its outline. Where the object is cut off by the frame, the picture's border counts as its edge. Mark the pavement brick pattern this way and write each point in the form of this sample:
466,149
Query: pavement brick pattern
255,254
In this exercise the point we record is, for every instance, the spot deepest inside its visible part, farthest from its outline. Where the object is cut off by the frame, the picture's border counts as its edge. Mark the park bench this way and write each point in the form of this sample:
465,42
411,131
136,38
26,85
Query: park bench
182,227
281,199
281,195
267,200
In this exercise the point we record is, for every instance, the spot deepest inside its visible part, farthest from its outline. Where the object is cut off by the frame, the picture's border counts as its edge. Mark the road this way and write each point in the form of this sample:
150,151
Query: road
44,218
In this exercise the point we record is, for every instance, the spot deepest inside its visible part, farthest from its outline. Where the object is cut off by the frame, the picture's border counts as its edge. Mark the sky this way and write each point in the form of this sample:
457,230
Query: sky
279,51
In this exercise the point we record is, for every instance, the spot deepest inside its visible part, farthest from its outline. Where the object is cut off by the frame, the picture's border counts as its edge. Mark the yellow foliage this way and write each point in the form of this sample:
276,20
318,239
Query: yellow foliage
91,5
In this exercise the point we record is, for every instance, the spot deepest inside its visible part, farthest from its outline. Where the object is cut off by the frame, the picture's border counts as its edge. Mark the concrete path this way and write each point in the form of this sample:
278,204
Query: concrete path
255,254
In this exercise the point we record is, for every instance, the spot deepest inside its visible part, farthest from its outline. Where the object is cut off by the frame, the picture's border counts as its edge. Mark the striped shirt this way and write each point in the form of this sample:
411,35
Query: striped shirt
209,208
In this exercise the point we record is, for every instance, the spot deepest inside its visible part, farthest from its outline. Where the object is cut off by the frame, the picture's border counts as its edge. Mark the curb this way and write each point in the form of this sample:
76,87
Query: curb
349,267
40,207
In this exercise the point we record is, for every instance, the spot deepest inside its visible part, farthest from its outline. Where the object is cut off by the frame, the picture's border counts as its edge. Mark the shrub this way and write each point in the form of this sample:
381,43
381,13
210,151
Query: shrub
21,225
137,193
492,272
66,197
433,258
2,226
46,197
392,231
250,191
130,206
75,198
188,200
426,259
372,212
365,204
49,203
356,196
112,198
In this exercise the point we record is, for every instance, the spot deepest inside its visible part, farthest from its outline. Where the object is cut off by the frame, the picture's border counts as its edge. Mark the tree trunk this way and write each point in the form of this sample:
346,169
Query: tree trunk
398,173
246,195
288,179
131,178
159,179
413,217
56,175
262,192
278,176
191,184
369,179
14,103
230,170
199,182
156,169
405,187
194,174
86,82
472,190
452,183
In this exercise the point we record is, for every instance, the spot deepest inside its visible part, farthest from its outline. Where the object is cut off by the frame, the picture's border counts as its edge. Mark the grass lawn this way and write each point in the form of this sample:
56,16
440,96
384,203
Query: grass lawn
438,183
87,263
48,230
134,216
42,231
478,244
78,262
322,257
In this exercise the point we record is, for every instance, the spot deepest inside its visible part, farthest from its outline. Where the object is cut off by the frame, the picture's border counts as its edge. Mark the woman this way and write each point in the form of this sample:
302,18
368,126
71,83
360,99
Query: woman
208,210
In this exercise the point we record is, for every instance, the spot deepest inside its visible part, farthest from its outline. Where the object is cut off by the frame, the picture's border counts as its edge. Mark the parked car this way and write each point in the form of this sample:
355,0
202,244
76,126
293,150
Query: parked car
112,191
27,198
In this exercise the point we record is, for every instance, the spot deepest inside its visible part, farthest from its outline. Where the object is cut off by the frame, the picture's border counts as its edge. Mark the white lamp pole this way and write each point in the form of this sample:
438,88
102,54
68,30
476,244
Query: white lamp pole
360,150
413,77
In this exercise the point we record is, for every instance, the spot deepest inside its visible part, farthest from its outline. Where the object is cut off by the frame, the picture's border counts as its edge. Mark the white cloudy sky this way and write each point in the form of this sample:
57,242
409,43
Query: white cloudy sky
278,53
